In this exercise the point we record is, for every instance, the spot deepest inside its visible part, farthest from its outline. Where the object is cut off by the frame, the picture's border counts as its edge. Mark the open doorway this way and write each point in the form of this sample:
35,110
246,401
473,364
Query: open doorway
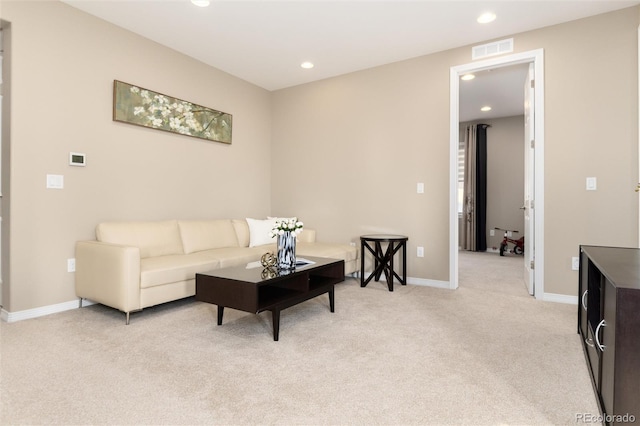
494,99
495,269
535,175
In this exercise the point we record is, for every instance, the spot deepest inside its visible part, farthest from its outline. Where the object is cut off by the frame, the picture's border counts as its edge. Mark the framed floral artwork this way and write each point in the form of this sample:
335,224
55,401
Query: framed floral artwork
143,107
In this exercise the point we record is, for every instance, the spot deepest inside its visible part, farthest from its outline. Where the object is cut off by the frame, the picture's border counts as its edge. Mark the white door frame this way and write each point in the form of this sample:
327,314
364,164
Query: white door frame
529,183
537,57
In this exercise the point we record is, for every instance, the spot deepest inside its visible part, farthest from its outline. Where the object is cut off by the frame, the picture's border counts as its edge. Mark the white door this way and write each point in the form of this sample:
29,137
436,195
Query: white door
529,181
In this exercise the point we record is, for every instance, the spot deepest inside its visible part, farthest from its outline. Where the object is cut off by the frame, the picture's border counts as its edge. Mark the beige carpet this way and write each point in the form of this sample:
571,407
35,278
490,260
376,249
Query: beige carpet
491,272
418,355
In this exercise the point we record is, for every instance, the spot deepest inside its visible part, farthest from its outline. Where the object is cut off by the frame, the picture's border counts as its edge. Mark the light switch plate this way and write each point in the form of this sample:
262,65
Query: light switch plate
55,181
420,188
591,184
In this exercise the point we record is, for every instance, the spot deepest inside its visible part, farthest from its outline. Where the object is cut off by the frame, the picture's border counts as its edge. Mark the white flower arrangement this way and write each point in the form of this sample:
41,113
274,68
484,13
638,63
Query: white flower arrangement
292,225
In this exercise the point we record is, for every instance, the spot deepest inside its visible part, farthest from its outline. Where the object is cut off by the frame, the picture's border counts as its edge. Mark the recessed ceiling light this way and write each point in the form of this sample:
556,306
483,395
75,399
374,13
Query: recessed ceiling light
201,3
487,17
485,108
468,77
307,65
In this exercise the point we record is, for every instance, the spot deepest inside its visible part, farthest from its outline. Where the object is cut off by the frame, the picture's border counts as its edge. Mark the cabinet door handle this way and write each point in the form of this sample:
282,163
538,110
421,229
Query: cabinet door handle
584,302
600,345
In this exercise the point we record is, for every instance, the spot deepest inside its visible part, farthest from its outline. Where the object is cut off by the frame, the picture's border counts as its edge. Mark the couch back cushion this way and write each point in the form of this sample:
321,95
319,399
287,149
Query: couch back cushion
199,235
156,238
242,231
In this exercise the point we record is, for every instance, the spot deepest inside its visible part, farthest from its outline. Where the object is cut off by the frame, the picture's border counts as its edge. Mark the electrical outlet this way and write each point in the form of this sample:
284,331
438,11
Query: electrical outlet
575,263
492,232
420,252
71,265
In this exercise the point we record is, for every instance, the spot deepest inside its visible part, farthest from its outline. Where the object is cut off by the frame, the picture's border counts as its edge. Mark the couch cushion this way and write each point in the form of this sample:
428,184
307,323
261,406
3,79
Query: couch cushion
157,238
162,270
242,231
307,236
198,235
236,256
333,251
259,231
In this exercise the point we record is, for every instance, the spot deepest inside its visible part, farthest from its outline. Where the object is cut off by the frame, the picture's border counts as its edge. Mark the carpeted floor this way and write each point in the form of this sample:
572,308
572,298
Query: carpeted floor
418,355
489,271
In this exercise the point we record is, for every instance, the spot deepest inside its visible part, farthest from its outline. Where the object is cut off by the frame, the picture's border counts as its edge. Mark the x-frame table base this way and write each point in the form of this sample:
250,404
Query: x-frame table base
383,259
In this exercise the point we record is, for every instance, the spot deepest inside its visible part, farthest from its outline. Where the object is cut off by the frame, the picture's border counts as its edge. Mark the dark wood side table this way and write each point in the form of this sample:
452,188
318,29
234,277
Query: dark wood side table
383,259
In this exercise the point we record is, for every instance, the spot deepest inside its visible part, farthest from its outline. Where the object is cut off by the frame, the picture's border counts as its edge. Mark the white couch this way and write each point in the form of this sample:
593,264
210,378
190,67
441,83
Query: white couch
134,265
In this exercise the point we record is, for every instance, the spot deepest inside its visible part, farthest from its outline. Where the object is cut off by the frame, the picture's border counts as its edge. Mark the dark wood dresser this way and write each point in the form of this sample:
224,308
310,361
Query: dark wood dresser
609,323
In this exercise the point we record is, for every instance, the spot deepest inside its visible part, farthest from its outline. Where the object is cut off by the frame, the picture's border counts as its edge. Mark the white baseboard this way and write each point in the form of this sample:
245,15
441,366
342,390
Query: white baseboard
560,298
428,283
412,280
42,311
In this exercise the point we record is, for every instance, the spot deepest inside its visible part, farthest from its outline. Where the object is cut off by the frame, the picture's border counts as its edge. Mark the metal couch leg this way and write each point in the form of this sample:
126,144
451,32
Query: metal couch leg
79,302
127,318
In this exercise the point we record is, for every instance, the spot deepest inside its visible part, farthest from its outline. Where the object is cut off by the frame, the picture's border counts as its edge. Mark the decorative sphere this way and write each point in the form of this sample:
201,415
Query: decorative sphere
268,260
269,273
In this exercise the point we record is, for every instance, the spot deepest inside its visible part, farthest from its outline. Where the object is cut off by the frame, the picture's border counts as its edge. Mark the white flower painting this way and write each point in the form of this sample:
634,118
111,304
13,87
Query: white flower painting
143,107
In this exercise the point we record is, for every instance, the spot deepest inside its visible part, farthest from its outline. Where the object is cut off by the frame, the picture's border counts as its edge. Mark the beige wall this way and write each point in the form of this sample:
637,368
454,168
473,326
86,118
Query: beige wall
63,65
505,176
347,152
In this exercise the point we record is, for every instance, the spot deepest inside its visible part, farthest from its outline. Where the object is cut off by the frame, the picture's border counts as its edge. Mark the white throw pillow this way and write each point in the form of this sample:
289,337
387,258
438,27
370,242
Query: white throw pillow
259,231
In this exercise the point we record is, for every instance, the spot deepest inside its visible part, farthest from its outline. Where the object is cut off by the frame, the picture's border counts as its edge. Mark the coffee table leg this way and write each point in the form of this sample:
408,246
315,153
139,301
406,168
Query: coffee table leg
276,324
220,313
332,300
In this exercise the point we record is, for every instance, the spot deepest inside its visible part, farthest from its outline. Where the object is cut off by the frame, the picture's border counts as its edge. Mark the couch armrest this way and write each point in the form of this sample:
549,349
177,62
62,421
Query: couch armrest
307,236
108,274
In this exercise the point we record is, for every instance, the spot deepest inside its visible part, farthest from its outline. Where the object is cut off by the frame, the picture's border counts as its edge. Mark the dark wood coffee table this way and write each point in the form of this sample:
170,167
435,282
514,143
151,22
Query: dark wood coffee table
253,289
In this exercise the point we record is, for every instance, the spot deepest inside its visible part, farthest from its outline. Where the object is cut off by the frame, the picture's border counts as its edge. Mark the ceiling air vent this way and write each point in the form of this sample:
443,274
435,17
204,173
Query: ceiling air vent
490,49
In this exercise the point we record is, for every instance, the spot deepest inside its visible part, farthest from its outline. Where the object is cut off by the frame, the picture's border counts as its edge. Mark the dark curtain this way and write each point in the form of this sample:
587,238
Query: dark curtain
481,188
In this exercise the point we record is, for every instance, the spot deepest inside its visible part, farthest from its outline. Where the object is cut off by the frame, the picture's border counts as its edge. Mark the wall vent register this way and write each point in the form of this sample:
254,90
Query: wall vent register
491,49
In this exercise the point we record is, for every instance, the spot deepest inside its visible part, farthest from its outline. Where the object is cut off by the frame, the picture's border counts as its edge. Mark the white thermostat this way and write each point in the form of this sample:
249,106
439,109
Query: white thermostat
77,159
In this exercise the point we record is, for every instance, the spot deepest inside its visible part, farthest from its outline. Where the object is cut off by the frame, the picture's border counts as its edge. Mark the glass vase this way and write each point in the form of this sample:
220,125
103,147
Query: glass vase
286,251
